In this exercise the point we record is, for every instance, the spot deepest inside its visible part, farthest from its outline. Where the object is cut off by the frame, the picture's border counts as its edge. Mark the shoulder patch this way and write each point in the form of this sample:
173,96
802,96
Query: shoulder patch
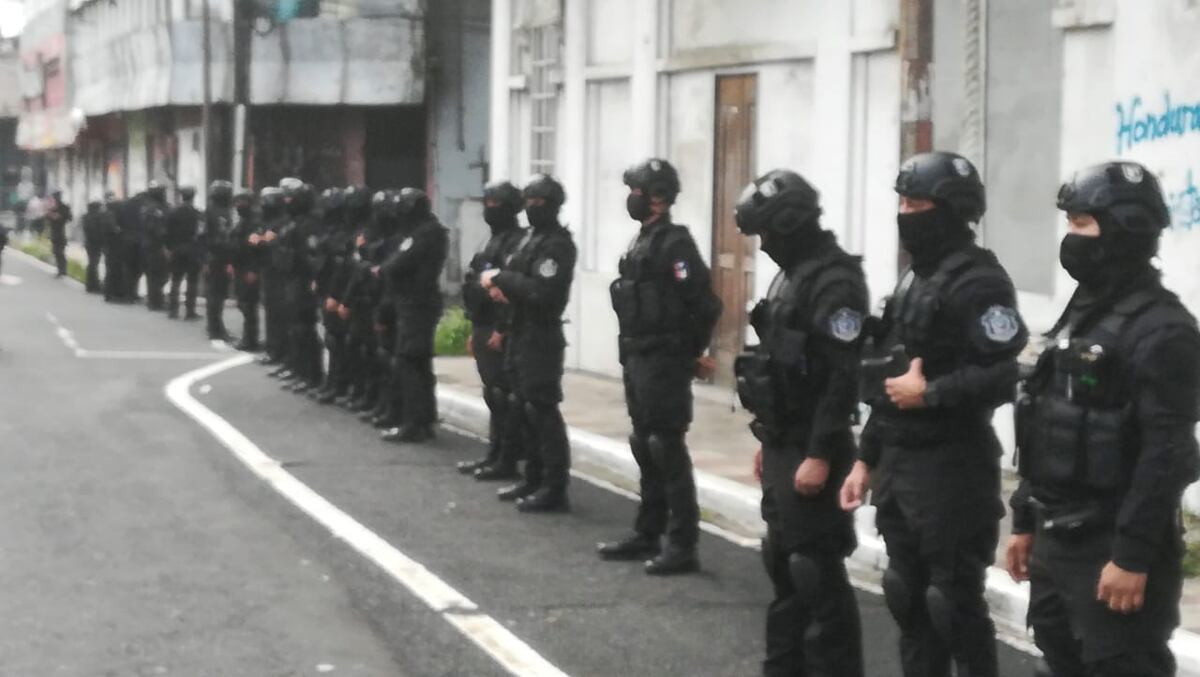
1000,324
548,268
407,244
846,325
680,270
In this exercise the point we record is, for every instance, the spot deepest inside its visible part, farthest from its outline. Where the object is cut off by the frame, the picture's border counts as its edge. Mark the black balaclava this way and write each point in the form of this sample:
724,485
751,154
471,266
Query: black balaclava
542,216
500,218
788,249
638,206
931,235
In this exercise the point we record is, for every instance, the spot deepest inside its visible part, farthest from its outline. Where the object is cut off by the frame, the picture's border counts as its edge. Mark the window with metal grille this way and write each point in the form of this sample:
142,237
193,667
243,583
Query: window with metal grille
543,94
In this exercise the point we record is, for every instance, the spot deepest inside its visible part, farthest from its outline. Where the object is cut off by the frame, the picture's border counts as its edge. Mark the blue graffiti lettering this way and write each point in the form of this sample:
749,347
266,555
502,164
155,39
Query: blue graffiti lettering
1136,126
1185,205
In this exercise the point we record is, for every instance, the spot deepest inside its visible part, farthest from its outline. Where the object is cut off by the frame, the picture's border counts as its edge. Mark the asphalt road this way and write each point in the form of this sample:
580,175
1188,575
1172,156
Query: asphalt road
136,543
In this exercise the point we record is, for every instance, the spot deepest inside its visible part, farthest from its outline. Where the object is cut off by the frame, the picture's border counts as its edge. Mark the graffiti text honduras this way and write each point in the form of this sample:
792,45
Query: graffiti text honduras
1138,124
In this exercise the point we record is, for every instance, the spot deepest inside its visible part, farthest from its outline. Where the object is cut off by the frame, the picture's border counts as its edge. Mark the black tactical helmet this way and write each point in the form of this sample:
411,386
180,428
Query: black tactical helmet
505,194
545,187
187,193
778,202
156,190
271,198
414,203
655,177
243,198
1097,189
220,191
333,199
386,203
948,179
358,198
291,186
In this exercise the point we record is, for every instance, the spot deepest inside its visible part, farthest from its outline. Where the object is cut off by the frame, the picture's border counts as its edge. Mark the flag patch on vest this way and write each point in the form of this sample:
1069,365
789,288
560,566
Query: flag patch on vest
846,325
1000,324
549,268
681,270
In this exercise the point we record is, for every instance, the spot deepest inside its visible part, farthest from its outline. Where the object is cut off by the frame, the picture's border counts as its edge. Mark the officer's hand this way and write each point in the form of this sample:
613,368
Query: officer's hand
470,346
343,312
758,464
1016,556
485,279
360,240
379,328
254,238
312,286
811,476
706,366
375,271
855,487
269,236
1123,591
495,341
229,270
907,391
497,295
331,305
251,278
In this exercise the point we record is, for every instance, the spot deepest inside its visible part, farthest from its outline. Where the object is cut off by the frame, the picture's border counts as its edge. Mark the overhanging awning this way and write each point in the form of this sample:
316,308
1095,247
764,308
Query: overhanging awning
46,130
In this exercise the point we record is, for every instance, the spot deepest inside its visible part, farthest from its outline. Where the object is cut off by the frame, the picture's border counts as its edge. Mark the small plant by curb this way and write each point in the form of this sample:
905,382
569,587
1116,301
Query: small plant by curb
452,333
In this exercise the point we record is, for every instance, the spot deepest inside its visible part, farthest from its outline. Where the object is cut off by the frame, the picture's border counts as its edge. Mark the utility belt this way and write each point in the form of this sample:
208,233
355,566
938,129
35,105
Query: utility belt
1072,518
673,342
877,369
763,373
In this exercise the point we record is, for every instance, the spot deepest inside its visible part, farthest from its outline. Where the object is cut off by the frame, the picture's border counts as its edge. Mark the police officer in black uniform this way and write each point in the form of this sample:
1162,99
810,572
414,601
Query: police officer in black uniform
666,311
337,250
58,216
1106,437
186,253
114,253
95,229
942,360
129,225
220,248
247,283
356,306
411,274
537,284
800,383
273,215
502,202
155,257
386,406
295,257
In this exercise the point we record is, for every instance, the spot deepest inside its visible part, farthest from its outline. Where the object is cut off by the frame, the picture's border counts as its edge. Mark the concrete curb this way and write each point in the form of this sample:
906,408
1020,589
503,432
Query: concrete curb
738,504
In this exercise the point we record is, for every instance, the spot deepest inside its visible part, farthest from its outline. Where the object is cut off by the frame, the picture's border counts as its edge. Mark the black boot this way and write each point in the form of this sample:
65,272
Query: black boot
516,491
633,547
546,499
470,467
411,434
675,559
497,471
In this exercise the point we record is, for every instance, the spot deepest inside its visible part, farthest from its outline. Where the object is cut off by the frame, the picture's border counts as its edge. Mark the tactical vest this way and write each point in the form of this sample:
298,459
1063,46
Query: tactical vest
1074,416
496,253
772,377
650,313
526,261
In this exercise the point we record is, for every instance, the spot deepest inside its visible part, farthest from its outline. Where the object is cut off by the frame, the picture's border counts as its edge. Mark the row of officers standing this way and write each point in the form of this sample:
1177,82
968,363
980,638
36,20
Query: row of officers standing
1105,422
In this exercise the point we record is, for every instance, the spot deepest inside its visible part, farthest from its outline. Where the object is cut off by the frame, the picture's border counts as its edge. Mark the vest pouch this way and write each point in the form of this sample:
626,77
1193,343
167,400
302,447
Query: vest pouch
1024,410
1105,448
651,309
1054,449
752,371
789,350
625,303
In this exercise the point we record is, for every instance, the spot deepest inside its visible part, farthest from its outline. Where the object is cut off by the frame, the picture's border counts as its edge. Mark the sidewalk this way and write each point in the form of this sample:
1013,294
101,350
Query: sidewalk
722,448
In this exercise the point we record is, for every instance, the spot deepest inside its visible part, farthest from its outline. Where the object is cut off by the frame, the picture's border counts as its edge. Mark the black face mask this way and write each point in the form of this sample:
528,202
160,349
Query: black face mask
542,216
1084,258
638,207
929,235
499,217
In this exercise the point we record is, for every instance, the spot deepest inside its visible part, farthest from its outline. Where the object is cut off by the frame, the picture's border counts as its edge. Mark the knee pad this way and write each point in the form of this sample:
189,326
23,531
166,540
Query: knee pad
806,578
941,611
897,595
657,447
514,401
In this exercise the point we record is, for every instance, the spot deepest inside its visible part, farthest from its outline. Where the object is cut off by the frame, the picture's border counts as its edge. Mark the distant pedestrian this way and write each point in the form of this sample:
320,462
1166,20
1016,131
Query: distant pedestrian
58,215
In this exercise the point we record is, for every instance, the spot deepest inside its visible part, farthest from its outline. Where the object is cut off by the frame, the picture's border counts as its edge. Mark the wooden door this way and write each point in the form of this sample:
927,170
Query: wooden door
733,253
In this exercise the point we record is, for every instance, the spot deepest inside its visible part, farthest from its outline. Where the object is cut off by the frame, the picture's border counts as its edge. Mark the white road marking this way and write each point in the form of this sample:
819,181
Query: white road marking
504,647
10,280
68,338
